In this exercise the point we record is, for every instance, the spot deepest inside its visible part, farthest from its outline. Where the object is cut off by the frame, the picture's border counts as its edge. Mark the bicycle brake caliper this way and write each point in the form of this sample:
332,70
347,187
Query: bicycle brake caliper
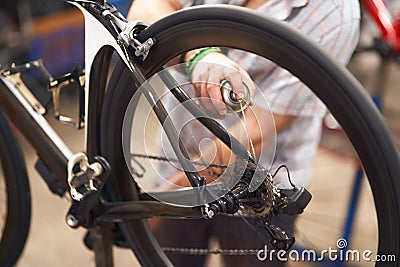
82,175
127,37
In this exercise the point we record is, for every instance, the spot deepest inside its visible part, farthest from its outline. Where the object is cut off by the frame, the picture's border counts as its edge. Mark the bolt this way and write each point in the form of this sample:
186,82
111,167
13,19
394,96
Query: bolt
120,42
210,214
72,221
140,48
150,42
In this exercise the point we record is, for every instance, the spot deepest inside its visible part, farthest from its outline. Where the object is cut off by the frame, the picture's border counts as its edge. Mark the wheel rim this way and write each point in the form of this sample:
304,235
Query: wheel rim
383,164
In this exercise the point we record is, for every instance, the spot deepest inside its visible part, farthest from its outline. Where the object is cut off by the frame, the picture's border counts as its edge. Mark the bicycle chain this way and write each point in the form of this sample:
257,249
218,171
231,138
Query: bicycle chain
205,251
198,163
200,251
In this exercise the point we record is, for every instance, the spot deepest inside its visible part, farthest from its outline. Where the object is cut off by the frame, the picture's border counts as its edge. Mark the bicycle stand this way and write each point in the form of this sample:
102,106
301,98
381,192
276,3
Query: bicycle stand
102,239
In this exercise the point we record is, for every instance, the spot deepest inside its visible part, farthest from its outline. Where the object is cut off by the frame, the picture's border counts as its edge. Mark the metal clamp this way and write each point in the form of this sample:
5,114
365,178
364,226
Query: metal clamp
13,74
127,37
76,76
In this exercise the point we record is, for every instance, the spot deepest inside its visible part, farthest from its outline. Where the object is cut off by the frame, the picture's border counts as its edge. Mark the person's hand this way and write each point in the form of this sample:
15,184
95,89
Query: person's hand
207,76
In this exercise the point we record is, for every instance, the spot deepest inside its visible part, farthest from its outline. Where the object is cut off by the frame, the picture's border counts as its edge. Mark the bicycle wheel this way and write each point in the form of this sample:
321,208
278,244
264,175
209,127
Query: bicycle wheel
15,202
213,26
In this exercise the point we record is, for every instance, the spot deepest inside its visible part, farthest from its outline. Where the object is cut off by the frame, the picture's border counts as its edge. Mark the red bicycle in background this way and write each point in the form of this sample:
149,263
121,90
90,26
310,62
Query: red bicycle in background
388,43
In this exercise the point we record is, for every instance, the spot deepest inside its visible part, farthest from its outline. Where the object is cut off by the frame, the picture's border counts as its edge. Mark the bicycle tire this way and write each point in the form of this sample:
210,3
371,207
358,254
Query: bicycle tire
332,83
18,204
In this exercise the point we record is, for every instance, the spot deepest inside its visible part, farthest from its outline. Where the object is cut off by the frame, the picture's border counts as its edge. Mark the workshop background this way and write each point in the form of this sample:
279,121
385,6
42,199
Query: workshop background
53,31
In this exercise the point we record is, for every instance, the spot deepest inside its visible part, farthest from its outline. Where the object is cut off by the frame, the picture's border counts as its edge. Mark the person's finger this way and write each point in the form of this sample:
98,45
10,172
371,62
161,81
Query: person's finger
206,101
249,82
251,86
214,92
202,90
199,83
235,79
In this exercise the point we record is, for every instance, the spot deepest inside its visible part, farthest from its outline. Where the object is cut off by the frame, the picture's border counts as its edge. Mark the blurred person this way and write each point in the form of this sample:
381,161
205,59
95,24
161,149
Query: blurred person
296,111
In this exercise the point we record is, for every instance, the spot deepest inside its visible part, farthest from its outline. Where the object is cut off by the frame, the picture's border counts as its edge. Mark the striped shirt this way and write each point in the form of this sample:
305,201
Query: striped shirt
277,8
334,25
